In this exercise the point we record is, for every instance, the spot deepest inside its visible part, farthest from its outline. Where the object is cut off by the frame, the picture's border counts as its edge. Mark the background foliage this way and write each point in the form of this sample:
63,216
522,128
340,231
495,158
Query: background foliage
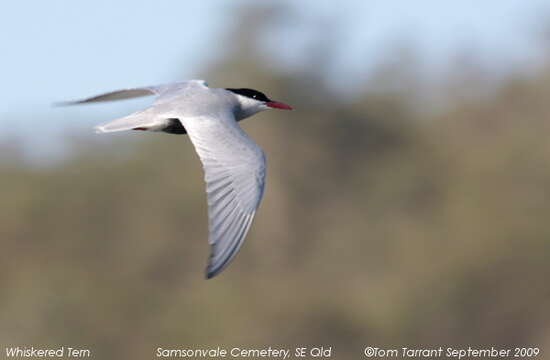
387,220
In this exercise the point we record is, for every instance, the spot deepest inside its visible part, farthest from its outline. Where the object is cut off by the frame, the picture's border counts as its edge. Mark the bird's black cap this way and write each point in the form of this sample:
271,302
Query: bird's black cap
250,93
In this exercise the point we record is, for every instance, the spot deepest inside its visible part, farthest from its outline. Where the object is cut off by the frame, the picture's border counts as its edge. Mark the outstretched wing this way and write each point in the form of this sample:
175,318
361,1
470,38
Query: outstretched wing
234,167
114,95
124,94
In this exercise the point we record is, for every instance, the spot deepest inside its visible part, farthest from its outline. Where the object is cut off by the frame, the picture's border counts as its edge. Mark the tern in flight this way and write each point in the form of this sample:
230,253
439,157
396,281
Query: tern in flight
234,165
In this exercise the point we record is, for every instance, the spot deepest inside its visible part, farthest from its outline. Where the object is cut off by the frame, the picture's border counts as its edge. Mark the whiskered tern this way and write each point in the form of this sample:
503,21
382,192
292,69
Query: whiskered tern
234,165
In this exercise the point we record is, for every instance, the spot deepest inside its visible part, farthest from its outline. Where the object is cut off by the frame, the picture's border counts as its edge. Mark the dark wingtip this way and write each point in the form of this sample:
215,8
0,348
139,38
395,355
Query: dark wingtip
212,271
210,274
62,103
67,103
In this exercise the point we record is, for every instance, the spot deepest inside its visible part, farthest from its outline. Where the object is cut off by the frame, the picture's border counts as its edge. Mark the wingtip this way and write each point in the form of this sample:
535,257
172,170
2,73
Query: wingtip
63,103
212,271
210,274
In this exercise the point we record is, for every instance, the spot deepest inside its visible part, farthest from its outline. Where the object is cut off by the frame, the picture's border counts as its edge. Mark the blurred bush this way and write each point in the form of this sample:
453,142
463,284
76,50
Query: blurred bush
382,224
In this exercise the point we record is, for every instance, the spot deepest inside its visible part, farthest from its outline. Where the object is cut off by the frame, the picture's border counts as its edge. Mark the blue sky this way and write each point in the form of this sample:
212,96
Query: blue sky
61,49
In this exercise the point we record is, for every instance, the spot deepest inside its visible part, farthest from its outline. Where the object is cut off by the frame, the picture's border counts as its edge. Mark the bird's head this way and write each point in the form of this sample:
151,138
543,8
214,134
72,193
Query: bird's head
253,101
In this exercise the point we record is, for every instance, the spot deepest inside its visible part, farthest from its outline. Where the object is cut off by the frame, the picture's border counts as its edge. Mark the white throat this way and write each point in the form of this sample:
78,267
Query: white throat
248,107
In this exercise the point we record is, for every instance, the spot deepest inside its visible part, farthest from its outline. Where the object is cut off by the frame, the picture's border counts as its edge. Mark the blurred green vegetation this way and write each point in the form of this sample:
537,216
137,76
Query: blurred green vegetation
380,225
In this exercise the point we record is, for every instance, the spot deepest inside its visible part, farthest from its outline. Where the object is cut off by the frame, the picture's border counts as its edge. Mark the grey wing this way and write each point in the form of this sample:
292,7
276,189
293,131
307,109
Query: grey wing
234,167
159,90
